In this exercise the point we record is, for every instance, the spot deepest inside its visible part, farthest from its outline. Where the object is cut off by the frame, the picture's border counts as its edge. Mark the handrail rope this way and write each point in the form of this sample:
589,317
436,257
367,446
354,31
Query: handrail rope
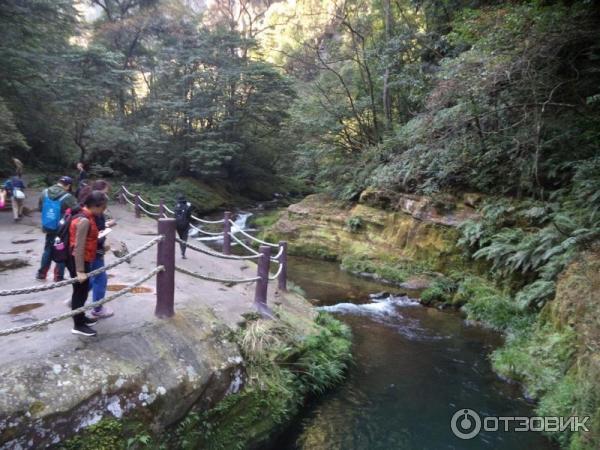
152,205
207,221
216,254
250,249
274,277
151,214
129,201
218,280
279,253
47,287
84,308
208,233
127,191
252,237
169,210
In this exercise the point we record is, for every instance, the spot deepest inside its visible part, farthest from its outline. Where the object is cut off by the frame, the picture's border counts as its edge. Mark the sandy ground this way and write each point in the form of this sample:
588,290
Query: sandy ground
132,310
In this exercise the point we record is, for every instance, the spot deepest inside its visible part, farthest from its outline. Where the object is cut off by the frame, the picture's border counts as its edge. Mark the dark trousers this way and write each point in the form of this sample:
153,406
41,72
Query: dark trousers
183,235
59,271
80,292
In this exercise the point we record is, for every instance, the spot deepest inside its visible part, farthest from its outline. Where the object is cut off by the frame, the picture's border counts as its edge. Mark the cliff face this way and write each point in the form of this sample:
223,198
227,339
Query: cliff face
412,228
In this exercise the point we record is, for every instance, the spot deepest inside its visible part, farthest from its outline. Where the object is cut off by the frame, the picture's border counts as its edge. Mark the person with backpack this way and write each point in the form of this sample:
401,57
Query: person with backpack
98,283
183,217
53,203
15,190
83,246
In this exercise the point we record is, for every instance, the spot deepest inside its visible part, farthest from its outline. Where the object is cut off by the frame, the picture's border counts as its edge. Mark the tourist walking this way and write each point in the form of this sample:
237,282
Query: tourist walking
81,179
98,283
183,217
53,203
83,243
15,190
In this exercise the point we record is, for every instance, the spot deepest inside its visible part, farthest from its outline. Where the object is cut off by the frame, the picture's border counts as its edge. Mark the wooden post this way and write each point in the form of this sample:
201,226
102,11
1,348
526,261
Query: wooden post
260,295
121,196
165,280
138,211
161,209
226,231
282,279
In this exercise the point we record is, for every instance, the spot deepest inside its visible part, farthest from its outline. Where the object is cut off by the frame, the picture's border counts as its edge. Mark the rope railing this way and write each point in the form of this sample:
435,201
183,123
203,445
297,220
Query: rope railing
274,277
278,255
240,242
110,298
126,191
229,236
129,201
147,203
47,287
208,233
216,279
213,222
151,214
166,267
216,254
255,239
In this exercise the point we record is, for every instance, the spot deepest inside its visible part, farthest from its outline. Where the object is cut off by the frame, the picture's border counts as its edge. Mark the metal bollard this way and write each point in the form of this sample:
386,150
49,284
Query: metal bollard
226,231
282,279
165,280
138,211
161,208
260,295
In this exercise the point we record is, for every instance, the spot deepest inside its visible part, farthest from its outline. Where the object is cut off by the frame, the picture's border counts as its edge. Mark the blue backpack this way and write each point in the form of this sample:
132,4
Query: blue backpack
51,211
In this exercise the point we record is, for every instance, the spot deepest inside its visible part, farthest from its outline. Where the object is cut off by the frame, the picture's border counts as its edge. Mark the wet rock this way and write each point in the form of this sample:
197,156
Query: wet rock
379,295
12,262
416,283
22,240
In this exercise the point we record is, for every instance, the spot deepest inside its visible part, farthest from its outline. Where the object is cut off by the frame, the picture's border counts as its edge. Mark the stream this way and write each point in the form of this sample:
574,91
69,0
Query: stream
413,368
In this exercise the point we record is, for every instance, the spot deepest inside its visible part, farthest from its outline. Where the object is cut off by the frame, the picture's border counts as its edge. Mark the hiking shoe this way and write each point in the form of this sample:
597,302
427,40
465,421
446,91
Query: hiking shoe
83,330
183,257
102,313
90,321
40,277
56,279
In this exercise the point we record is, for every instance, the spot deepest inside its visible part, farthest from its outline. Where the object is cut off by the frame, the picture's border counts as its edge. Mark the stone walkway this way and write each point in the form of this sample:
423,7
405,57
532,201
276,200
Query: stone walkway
131,311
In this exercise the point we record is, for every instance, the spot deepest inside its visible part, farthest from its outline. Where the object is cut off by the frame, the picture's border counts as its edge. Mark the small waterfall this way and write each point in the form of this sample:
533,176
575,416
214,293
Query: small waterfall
240,220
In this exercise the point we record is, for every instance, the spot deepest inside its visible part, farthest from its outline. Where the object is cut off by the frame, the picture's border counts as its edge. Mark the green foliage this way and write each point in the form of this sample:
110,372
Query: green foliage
283,367
537,356
354,224
394,271
266,219
441,290
112,434
485,303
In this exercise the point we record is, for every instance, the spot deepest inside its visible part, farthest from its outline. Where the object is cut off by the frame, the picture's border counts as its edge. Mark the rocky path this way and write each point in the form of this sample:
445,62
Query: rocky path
22,243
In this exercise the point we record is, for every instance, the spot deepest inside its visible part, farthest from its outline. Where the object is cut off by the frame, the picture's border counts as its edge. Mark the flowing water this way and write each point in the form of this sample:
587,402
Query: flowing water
414,367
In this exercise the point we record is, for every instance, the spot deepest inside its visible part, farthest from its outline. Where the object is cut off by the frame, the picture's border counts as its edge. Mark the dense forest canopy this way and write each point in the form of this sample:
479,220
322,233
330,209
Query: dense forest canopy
412,95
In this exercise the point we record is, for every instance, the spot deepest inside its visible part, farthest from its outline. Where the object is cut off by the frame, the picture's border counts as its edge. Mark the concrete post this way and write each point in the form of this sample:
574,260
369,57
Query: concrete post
165,280
282,279
138,211
161,208
226,231
260,295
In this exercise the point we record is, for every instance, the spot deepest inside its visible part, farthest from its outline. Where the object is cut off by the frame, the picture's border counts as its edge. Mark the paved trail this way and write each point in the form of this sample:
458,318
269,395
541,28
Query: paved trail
131,311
